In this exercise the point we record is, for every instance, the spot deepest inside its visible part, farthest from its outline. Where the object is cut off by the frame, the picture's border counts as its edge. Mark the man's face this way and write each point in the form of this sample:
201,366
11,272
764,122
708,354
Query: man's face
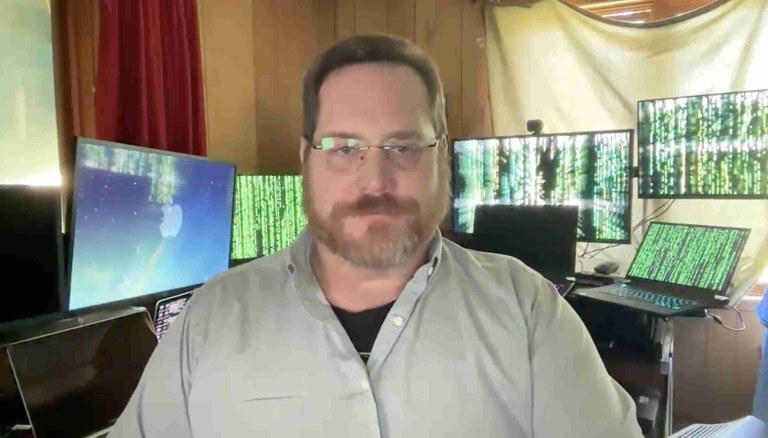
377,210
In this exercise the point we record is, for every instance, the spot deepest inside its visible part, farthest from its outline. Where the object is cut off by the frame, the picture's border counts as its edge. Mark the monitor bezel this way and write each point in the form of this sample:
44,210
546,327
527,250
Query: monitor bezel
630,175
641,195
72,224
728,277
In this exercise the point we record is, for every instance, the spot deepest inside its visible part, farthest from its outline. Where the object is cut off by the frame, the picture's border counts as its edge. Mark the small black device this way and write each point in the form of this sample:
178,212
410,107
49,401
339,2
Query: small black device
541,236
167,309
678,268
534,126
32,249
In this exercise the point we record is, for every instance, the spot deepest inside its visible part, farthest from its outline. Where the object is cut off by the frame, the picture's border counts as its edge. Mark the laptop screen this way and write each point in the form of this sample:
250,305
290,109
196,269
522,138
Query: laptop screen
689,255
166,311
78,381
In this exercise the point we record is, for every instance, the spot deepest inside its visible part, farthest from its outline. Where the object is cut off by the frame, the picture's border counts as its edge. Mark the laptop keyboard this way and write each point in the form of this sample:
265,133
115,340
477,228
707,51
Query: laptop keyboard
646,296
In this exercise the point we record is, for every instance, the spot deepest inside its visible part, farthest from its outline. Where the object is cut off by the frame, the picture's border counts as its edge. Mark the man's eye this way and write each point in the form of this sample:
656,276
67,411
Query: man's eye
402,148
344,150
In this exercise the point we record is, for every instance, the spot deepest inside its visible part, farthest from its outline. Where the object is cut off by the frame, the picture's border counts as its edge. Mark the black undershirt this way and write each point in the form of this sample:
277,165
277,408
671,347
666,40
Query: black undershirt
363,327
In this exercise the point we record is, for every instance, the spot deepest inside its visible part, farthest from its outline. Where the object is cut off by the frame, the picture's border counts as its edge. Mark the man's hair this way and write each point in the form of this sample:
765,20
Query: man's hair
364,49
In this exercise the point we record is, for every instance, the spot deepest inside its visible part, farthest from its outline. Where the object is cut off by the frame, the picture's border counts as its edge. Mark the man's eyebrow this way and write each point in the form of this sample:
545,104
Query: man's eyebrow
341,134
406,134
403,134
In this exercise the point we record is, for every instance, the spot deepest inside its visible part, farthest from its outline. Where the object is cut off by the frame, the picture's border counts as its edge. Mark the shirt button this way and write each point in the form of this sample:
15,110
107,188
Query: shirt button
397,320
366,385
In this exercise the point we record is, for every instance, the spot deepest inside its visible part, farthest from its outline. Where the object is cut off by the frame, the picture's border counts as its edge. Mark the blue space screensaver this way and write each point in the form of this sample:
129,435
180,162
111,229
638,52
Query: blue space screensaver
146,222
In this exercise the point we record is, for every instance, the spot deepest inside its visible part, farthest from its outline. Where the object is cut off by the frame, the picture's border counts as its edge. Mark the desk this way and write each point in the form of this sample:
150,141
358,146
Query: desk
637,350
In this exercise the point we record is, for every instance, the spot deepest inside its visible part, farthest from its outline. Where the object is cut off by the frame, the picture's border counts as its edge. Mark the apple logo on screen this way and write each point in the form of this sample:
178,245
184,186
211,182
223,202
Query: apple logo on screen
172,218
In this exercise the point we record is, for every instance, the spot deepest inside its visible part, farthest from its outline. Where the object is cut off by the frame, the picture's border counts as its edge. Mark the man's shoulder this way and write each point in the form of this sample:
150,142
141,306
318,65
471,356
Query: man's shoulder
249,277
488,263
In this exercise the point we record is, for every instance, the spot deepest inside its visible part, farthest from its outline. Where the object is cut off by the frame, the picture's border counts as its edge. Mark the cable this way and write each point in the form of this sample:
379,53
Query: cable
720,321
581,264
595,252
666,205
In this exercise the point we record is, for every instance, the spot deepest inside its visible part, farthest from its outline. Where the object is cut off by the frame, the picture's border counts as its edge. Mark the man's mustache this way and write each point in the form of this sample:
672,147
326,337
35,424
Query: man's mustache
384,204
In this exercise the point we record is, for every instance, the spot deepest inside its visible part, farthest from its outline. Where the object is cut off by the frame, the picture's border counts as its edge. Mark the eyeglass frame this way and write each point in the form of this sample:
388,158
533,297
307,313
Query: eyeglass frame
314,145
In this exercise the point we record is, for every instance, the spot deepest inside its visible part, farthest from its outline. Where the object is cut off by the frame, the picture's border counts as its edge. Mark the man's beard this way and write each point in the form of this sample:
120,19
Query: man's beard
382,245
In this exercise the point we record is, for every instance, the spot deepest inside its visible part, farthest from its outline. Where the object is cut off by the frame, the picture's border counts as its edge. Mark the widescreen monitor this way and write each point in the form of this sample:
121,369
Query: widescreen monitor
590,170
268,214
146,221
707,146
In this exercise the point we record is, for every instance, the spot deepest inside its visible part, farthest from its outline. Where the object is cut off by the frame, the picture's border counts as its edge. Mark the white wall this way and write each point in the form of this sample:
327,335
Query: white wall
29,151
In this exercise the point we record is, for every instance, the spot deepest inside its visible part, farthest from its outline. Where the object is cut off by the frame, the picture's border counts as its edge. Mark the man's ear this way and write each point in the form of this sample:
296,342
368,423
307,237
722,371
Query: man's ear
302,148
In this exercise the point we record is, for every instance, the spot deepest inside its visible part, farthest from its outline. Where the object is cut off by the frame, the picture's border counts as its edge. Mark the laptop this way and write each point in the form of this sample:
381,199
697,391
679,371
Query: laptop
76,382
167,309
678,268
541,236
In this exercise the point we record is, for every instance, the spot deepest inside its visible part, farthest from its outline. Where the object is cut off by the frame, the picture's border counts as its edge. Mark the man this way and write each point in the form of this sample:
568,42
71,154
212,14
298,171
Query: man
371,324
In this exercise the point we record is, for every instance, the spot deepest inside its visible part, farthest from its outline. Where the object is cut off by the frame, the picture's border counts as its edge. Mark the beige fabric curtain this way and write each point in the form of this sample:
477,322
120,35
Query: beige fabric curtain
574,72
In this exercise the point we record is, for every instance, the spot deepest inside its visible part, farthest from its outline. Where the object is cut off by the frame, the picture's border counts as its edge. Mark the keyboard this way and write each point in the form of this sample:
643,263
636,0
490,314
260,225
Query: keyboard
668,302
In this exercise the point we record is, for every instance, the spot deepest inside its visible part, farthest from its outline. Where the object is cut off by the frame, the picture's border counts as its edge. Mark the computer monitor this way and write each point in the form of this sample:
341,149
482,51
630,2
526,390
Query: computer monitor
592,170
76,382
268,214
698,256
706,146
32,250
541,236
146,222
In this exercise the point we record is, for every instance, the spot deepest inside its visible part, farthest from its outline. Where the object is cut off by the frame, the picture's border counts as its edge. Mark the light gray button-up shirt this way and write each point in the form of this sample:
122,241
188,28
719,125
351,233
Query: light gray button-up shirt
477,345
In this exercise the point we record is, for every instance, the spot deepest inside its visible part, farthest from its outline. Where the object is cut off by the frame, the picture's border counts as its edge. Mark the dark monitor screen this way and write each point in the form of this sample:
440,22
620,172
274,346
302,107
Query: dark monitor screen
542,237
12,411
77,382
689,255
146,221
592,170
31,249
268,214
708,146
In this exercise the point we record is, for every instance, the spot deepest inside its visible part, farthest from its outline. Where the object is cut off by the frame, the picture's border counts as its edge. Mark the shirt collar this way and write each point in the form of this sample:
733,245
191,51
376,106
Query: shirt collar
307,287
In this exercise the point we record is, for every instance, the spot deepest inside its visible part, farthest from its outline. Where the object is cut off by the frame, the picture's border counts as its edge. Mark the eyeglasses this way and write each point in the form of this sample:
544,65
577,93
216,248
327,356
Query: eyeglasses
346,154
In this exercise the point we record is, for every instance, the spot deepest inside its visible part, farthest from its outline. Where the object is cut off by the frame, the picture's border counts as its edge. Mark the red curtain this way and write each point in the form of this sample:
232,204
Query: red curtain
149,88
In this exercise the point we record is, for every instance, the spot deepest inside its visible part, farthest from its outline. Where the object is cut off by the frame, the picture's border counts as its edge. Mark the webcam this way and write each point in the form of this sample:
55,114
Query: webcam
534,126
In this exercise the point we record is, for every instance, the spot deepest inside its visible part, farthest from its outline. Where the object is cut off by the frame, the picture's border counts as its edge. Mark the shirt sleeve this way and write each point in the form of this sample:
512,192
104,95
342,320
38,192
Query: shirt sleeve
573,394
158,406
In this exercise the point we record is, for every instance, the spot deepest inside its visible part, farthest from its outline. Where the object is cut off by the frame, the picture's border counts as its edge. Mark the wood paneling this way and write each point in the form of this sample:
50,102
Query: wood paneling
401,18
287,36
370,17
715,369
227,35
283,38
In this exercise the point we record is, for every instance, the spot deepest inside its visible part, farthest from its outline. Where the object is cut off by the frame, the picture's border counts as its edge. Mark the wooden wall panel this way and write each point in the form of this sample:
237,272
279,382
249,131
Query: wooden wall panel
438,31
715,370
370,17
226,32
256,121
287,37
475,90
345,18
401,18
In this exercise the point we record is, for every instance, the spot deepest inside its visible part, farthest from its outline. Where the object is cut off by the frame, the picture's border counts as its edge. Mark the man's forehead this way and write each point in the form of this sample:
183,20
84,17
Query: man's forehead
361,78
